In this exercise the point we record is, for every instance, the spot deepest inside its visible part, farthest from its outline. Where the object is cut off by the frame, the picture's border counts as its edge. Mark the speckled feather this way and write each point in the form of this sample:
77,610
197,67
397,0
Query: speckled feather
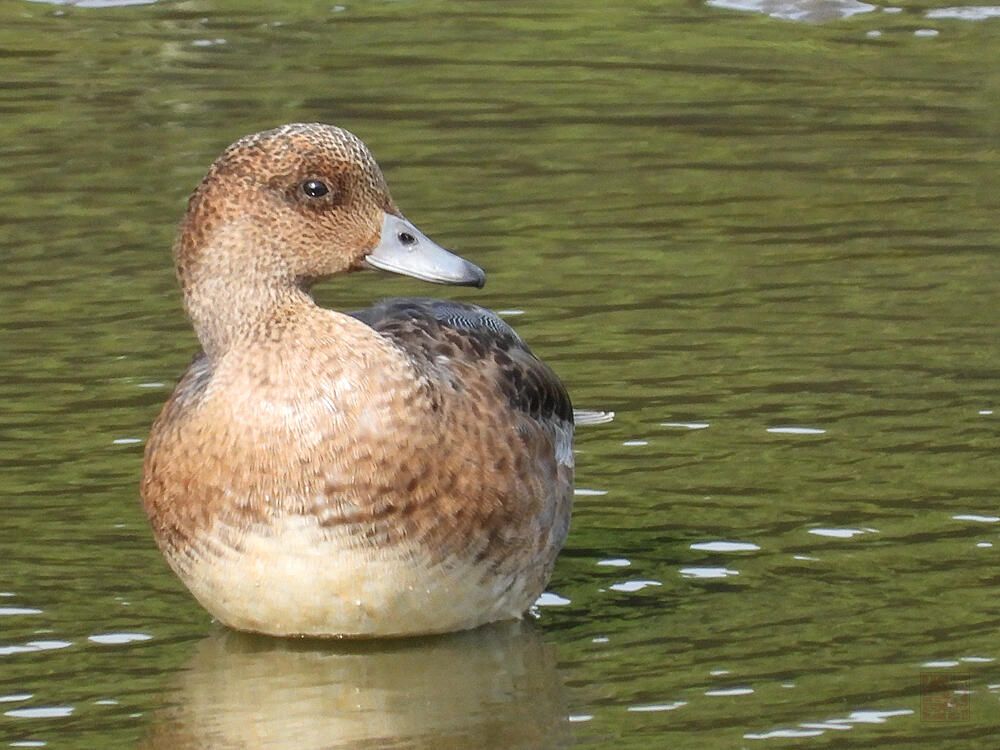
405,470
457,343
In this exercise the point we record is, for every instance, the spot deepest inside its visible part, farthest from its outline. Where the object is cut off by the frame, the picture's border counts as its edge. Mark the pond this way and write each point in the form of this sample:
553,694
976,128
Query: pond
764,234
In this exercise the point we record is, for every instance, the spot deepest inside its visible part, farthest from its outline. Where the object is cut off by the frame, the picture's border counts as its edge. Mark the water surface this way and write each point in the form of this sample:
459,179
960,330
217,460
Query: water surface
769,246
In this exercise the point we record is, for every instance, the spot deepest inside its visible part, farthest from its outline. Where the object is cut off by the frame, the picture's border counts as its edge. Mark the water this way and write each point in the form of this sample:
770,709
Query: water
769,246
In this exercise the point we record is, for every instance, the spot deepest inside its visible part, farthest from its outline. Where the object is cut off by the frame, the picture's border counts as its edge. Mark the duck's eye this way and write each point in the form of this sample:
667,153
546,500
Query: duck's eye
405,238
315,188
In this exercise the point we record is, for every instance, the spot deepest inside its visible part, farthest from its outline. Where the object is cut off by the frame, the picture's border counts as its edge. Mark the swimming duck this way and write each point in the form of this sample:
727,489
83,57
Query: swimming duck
401,470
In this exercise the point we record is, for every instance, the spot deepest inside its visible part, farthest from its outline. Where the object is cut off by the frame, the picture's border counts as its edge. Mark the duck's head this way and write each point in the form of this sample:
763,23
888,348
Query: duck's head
301,202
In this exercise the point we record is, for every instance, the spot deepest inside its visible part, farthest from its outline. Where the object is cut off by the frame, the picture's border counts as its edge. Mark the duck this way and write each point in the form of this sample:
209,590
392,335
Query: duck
401,470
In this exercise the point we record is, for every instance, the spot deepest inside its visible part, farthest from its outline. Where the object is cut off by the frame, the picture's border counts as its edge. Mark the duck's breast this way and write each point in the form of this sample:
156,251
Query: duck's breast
411,473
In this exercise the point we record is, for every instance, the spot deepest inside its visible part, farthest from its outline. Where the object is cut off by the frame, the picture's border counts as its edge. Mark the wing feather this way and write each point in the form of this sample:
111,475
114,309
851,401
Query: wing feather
444,338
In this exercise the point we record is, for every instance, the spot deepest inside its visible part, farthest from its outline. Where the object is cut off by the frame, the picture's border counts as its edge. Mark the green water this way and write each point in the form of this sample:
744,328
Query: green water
696,216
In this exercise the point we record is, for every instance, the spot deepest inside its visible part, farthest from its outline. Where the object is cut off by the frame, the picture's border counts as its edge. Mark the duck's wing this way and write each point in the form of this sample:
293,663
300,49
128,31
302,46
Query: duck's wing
457,341
500,467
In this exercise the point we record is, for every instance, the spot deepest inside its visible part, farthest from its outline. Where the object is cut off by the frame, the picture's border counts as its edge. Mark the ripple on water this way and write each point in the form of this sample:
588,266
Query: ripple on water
966,13
816,728
548,599
631,586
841,533
34,646
785,733
96,3
726,692
723,546
39,712
805,11
115,639
977,519
708,572
657,707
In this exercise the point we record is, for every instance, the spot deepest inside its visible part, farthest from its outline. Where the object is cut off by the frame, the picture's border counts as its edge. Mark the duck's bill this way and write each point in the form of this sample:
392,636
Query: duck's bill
405,249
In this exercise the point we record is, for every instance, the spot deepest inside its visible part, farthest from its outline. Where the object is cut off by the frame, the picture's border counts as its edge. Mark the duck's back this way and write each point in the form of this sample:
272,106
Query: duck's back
471,347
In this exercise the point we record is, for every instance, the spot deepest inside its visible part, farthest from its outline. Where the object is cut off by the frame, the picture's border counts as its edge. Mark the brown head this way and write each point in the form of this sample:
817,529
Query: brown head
285,207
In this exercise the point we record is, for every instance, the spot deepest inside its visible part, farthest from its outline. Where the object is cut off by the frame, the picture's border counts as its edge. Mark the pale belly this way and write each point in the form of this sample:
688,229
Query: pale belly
296,579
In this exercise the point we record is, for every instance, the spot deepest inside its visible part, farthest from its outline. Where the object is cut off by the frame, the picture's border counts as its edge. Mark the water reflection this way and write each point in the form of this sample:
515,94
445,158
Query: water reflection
96,3
966,13
806,11
492,687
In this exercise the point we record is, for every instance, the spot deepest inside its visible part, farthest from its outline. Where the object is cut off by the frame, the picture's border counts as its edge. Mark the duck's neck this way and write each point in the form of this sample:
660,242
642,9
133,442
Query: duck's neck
234,300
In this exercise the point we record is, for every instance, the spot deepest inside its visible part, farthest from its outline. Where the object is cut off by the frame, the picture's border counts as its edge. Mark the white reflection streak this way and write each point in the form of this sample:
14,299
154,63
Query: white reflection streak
818,727
630,586
722,546
115,639
806,11
966,13
708,572
42,712
841,533
548,599
977,519
33,646
725,692
657,707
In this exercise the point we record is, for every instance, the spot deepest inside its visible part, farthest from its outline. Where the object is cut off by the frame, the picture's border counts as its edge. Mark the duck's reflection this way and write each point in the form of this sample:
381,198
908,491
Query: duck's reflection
492,687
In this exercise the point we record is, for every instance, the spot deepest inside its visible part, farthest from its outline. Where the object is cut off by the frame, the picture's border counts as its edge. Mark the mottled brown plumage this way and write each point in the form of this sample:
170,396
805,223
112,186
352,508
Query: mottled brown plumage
404,469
